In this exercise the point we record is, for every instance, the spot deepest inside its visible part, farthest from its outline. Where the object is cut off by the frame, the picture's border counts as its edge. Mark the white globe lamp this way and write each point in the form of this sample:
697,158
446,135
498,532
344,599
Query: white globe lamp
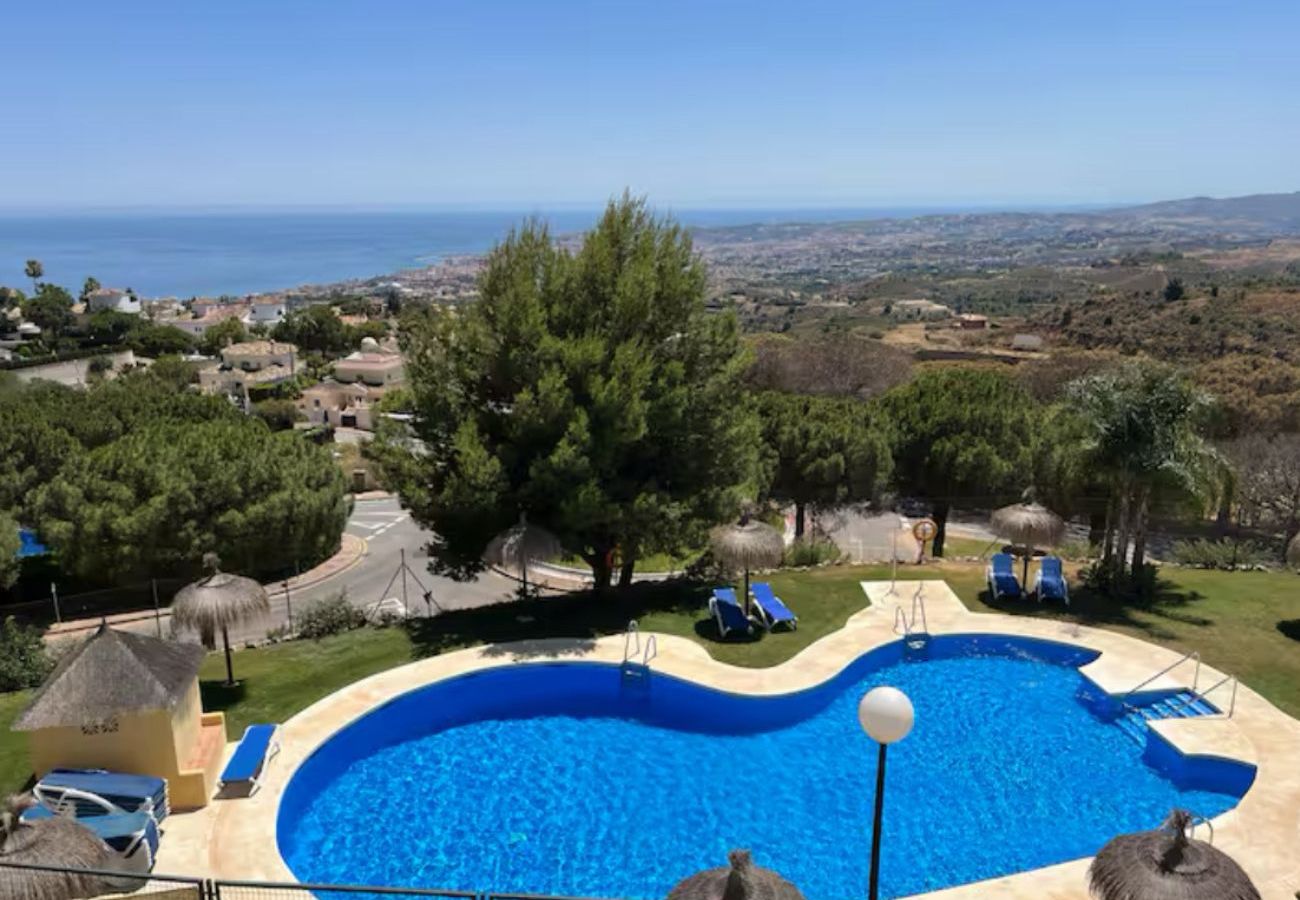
886,716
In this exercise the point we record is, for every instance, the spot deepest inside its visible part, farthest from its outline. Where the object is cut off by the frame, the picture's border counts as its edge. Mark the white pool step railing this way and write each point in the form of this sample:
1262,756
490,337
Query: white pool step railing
637,656
907,625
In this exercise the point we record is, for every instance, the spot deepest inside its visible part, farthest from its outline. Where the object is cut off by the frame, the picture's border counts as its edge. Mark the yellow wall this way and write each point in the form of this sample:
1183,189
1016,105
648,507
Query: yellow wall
159,742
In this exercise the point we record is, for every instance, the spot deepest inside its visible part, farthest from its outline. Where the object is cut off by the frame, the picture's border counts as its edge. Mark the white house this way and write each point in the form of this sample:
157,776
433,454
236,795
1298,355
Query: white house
248,365
268,311
371,365
1026,342
114,300
919,309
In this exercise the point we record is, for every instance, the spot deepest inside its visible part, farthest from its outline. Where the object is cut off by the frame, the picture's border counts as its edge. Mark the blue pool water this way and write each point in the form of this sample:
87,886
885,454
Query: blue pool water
565,778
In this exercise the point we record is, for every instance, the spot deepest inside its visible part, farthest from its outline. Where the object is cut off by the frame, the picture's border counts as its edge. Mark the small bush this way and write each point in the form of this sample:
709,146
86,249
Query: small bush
1078,550
1118,583
804,552
333,615
1207,554
24,662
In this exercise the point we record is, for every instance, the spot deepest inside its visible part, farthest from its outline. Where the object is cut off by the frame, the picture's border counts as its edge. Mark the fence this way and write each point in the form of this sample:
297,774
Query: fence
148,598
19,881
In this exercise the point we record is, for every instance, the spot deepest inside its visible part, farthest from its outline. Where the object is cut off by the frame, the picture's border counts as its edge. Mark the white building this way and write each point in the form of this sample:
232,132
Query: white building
371,366
268,311
114,300
1026,342
249,365
919,309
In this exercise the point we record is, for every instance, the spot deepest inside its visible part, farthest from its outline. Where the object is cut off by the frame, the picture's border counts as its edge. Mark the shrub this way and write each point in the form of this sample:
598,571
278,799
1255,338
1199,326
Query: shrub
24,662
332,615
1207,554
1076,549
816,552
1111,582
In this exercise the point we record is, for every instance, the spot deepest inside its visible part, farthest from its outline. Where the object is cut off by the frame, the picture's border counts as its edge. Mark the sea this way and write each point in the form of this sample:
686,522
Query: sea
206,253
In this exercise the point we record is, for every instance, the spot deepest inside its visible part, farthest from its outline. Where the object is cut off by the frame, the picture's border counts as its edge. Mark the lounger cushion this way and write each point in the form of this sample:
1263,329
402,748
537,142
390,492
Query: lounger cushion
249,755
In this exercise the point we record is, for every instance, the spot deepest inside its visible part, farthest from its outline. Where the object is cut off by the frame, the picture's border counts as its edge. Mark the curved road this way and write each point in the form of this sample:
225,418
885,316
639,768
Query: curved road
387,530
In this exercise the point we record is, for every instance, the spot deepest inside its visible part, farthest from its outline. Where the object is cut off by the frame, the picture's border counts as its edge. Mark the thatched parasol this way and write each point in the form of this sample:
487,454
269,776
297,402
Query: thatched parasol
1166,864
217,601
56,841
519,543
748,544
742,880
1026,526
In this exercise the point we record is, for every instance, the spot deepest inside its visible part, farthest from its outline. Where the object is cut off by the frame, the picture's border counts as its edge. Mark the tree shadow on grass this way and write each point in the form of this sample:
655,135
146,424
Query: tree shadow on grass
218,696
707,629
1092,607
1290,628
582,616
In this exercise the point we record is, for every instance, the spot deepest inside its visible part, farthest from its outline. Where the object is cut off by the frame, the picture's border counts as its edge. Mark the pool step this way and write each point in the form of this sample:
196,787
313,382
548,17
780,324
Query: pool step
1180,705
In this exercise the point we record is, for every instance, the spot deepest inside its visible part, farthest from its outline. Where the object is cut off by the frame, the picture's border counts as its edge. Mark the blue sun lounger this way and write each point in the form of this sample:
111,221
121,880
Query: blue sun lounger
256,748
133,836
727,612
1049,583
771,610
95,792
1002,577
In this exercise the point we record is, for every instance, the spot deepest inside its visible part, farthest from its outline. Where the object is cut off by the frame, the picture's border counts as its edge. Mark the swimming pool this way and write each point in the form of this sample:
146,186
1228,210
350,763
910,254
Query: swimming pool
566,778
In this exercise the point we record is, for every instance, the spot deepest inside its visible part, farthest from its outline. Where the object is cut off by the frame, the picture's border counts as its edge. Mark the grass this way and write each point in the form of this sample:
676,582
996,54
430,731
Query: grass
655,562
1246,623
955,545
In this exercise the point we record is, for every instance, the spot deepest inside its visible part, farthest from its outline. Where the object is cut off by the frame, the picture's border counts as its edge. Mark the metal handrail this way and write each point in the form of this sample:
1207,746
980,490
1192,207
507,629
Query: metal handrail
1195,654
651,651
1232,705
905,626
632,632
1198,819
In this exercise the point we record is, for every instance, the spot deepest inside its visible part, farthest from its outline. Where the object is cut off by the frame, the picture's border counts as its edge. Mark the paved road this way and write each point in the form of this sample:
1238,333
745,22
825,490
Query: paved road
387,530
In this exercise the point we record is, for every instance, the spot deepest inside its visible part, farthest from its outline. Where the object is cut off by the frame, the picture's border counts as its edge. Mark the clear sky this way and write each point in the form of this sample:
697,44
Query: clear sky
693,102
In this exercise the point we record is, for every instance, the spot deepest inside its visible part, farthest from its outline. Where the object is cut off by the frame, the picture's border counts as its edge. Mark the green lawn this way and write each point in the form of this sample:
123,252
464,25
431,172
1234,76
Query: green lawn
1247,623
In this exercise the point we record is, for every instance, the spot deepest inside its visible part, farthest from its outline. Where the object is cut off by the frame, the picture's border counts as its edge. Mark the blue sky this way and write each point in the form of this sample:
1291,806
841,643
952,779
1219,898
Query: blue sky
548,102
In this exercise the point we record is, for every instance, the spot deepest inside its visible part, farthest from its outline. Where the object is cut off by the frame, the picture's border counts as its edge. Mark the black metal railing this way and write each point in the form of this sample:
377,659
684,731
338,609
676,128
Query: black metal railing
19,881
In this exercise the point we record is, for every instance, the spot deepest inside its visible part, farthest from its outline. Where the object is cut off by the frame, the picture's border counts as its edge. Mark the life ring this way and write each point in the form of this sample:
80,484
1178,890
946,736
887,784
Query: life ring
924,530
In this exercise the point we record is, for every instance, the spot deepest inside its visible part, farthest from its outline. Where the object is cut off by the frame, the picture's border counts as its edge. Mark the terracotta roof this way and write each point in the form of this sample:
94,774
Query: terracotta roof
259,348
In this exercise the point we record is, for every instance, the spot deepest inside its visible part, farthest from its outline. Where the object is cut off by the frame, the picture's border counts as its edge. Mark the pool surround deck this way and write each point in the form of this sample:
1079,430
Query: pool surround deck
236,838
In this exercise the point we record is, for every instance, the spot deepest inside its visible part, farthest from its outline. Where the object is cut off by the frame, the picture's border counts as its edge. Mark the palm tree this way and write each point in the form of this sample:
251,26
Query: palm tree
34,270
1143,435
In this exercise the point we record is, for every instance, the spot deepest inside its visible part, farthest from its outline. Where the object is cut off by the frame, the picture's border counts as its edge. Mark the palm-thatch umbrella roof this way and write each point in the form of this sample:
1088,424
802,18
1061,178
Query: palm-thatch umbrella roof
56,841
112,673
1028,525
742,880
747,544
521,542
1166,864
218,601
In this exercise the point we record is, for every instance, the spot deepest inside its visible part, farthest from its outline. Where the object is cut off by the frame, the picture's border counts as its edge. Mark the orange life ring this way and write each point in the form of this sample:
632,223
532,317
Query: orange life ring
924,530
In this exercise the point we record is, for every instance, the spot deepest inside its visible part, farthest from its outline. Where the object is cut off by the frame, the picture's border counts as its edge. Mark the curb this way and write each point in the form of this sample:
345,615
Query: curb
355,547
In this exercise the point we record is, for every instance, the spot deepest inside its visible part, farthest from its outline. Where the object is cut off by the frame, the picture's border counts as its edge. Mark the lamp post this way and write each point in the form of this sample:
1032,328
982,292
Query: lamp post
886,716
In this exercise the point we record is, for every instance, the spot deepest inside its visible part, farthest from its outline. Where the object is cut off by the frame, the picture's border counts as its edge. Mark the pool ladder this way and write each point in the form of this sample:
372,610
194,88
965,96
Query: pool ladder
636,656
1195,694
913,636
